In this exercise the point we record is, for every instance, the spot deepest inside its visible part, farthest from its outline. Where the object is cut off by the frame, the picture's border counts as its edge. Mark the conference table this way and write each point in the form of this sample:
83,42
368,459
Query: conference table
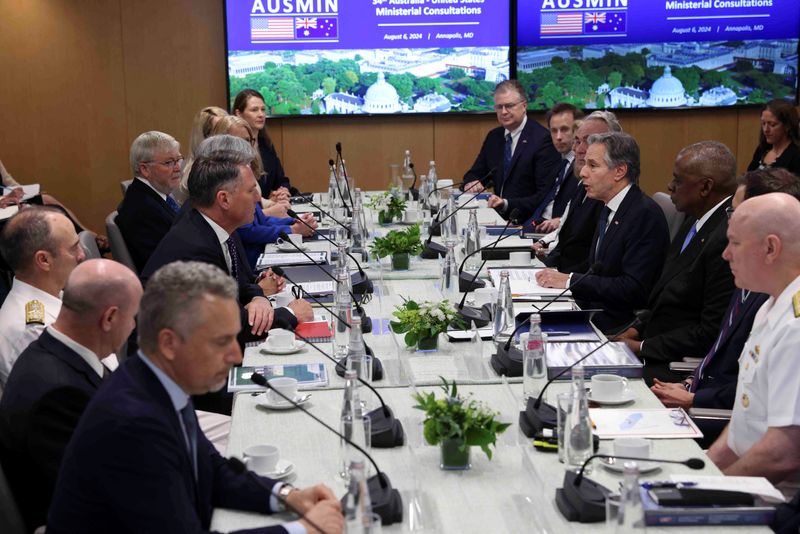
513,492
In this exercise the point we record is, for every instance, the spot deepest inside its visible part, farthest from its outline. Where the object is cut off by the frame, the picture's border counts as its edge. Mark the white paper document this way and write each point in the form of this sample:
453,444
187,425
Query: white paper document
322,287
290,258
652,423
523,282
28,191
759,486
5,213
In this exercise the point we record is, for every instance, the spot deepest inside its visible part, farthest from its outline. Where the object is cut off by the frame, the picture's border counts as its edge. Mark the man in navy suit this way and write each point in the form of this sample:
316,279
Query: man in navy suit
631,239
148,210
687,303
137,461
519,152
56,376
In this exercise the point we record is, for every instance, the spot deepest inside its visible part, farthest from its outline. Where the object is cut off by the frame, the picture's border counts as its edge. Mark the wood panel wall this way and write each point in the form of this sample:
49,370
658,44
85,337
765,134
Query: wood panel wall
83,79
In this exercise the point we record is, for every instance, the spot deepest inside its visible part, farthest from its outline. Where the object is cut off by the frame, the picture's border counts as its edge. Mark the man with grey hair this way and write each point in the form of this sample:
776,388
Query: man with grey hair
148,210
56,376
687,304
42,248
763,436
519,155
223,192
631,239
137,461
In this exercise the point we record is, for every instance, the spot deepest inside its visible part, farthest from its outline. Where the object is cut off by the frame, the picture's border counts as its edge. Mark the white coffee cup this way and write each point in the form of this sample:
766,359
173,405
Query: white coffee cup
520,258
285,385
607,387
297,239
635,447
411,216
280,339
262,458
484,295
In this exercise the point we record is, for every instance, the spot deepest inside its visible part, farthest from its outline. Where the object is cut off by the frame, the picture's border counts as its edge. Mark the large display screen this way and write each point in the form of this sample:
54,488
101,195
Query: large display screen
657,53
310,57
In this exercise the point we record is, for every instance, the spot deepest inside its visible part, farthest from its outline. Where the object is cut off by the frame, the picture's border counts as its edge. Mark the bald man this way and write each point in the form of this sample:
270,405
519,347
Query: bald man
55,377
763,437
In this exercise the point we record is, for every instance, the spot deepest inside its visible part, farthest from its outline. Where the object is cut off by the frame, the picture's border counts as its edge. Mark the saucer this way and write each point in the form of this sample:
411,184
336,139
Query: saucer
271,405
618,466
266,348
628,396
290,248
283,469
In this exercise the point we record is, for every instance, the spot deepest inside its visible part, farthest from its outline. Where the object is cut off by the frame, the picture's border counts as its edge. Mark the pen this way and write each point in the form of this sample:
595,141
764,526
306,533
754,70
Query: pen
667,484
557,333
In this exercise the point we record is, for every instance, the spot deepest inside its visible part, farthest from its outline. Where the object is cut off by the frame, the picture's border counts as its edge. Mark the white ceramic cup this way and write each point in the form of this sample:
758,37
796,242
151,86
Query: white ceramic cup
280,338
285,385
607,387
297,239
484,295
520,258
635,447
411,216
262,458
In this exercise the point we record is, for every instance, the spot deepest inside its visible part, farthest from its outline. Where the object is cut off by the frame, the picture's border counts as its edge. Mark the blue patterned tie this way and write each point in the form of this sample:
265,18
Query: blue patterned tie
551,194
234,258
190,425
739,296
172,204
689,237
507,153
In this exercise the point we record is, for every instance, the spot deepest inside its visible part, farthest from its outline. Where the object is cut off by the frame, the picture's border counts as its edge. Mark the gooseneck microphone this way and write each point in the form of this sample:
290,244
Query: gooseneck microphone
325,213
332,165
340,158
387,431
386,501
582,499
413,190
294,215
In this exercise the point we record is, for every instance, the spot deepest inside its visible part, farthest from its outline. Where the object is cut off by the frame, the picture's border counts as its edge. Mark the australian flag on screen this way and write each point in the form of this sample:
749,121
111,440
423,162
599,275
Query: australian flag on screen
317,28
604,23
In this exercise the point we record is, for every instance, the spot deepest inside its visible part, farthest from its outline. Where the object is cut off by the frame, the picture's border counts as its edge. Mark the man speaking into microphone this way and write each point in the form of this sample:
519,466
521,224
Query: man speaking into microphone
522,151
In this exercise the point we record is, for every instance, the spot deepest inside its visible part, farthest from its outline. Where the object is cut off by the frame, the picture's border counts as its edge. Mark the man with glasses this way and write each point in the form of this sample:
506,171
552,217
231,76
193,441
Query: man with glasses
519,153
148,210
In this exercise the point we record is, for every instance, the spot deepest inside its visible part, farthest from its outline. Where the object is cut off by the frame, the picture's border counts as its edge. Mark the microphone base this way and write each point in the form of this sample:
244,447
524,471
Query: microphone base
377,365
387,431
533,420
507,362
584,503
467,284
362,285
433,250
479,316
386,501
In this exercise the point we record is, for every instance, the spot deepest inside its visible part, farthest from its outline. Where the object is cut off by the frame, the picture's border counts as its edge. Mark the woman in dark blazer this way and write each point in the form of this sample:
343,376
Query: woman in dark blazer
779,138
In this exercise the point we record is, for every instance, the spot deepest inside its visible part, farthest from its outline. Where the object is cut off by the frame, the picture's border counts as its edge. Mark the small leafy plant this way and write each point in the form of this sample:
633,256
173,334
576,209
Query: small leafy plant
389,206
456,417
398,242
426,320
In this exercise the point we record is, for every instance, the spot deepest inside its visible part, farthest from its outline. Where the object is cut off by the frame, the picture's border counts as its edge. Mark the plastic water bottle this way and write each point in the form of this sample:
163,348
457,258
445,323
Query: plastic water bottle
408,172
450,226
334,199
357,231
343,308
534,369
579,424
503,320
357,358
433,177
472,242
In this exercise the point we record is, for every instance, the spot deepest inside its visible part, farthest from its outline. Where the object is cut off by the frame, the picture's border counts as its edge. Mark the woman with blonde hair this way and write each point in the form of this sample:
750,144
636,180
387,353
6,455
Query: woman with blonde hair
202,124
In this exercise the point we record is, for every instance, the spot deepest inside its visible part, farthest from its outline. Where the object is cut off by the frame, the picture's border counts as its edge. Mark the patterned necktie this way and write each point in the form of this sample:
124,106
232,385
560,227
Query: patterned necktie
551,194
190,425
174,206
234,257
739,297
689,237
507,153
602,223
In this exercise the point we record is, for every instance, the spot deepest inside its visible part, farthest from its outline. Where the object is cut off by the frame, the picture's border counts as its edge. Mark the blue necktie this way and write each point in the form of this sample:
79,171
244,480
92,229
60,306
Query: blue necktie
507,153
689,237
551,194
190,425
172,204
739,296
234,258
602,223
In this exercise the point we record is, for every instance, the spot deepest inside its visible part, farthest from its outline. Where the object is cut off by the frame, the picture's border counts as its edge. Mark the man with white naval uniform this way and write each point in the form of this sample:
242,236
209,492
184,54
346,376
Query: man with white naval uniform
763,437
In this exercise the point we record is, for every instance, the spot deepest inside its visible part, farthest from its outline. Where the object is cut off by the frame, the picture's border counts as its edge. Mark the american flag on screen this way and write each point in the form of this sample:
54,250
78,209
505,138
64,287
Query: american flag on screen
561,24
271,28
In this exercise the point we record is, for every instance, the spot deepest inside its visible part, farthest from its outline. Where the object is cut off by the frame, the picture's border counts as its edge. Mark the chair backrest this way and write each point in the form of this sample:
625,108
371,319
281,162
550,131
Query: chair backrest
124,184
10,518
673,216
119,250
89,245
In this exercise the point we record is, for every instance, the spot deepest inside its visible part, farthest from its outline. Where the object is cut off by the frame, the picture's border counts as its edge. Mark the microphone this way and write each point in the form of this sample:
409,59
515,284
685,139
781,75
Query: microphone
339,157
582,499
539,415
387,432
414,192
240,468
434,250
332,166
325,213
386,501
508,359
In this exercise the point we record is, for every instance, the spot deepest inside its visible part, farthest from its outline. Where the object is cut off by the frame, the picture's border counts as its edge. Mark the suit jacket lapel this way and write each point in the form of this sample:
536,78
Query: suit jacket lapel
522,145
205,229
71,358
753,300
155,196
618,218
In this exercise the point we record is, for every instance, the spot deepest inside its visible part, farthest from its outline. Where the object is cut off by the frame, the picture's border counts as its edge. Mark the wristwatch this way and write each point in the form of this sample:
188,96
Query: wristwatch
283,494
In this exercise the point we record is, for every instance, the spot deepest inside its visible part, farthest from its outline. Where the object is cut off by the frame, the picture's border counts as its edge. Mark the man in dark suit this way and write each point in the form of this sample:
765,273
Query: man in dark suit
148,209
686,305
521,154
137,461
631,239
567,248
56,376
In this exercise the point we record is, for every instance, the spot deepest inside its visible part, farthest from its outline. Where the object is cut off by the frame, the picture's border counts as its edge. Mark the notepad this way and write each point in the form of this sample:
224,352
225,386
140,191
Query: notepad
308,375
271,259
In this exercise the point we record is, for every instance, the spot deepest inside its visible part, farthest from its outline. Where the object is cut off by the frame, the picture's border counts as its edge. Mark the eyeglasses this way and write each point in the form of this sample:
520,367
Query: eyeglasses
170,163
507,107
729,211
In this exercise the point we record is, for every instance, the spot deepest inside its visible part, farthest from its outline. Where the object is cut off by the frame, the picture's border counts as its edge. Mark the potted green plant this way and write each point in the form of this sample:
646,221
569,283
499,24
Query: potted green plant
456,423
423,322
400,245
389,207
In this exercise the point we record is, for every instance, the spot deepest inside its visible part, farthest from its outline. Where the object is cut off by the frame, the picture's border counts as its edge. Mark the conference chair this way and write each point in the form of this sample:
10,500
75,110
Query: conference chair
89,245
10,518
673,216
119,250
124,184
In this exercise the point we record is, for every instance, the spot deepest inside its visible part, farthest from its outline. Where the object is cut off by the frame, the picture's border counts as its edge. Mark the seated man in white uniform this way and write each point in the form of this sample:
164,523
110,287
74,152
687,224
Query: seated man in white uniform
763,437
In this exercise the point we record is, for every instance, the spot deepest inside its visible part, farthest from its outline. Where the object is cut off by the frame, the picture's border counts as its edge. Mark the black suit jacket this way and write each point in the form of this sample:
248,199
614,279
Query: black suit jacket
144,218
534,166
575,236
567,191
688,301
46,393
632,255
127,468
